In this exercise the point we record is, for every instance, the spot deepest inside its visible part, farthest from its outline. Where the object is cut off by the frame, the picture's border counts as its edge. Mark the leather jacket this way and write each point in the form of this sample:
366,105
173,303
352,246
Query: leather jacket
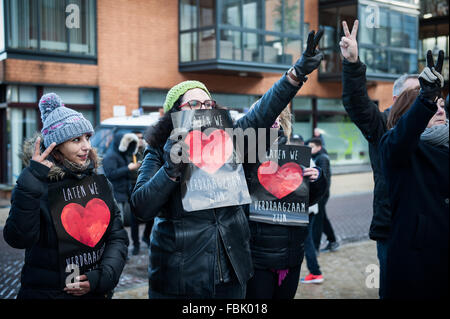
185,246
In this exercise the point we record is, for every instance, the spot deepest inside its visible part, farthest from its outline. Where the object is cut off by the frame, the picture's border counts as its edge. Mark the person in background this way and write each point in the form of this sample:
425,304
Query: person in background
118,164
321,222
277,262
138,157
415,162
317,133
372,123
315,275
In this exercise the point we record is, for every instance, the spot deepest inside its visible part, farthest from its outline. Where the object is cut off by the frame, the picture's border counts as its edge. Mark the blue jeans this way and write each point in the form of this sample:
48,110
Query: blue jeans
229,290
382,248
310,249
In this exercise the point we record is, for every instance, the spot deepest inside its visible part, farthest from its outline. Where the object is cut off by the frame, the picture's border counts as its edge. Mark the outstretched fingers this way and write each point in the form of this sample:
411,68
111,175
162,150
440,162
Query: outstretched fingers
48,151
440,62
310,42
317,38
430,61
345,27
37,147
355,29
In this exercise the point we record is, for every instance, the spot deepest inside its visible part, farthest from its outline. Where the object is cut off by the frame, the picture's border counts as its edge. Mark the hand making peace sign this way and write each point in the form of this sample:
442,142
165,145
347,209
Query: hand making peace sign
41,158
348,44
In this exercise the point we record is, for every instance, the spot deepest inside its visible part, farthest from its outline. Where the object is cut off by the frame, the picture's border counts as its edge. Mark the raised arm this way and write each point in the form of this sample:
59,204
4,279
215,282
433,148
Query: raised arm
157,180
399,143
361,109
22,227
265,112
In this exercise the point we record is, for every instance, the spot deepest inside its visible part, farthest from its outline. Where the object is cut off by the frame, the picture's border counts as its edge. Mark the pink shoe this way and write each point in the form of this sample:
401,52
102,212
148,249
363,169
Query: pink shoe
312,279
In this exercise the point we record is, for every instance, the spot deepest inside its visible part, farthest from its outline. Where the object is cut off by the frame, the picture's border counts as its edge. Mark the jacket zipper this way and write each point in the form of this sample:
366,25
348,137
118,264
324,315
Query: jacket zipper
218,249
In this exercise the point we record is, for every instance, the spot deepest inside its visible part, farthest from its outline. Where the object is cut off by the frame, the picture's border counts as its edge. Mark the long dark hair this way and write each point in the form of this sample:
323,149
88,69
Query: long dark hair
401,106
156,135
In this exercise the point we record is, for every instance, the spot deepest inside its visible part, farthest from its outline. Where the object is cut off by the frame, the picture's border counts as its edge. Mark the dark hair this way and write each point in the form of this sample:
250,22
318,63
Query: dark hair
315,140
401,106
156,135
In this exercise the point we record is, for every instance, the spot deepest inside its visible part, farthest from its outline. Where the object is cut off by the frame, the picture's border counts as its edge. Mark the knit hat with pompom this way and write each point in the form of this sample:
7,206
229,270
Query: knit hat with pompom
60,123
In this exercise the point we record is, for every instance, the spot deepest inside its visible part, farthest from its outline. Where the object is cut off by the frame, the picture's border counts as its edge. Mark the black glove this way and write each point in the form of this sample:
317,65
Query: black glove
175,156
431,79
311,58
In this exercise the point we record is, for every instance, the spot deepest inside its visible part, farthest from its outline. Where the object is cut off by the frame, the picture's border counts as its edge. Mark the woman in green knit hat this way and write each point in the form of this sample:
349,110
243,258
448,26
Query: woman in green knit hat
206,253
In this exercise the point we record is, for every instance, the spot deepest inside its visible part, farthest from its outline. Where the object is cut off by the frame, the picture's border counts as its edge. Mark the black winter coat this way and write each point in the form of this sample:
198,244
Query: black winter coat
280,246
418,178
115,165
322,161
372,123
30,226
184,245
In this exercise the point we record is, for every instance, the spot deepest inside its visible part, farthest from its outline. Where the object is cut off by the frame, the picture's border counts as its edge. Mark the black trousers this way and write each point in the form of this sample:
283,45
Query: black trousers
264,284
322,224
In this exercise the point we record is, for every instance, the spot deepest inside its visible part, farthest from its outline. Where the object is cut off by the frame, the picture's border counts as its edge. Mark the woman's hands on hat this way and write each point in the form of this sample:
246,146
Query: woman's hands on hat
41,158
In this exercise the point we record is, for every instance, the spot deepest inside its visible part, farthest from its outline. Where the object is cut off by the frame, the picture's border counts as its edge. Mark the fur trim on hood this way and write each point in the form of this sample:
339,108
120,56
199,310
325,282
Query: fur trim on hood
126,141
57,172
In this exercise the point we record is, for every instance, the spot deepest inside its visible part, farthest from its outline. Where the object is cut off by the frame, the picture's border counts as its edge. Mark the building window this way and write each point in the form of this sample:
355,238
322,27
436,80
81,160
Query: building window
152,100
343,141
387,37
78,99
240,35
51,27
238,102
434,8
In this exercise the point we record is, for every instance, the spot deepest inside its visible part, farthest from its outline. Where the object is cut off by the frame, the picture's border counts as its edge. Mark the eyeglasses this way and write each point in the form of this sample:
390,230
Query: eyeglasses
195,104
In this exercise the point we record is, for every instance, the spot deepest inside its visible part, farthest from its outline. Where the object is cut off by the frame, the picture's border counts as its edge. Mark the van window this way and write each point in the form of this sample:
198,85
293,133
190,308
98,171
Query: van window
102,138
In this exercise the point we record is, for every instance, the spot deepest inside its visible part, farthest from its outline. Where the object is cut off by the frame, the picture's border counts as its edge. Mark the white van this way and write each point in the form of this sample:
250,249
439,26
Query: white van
104,133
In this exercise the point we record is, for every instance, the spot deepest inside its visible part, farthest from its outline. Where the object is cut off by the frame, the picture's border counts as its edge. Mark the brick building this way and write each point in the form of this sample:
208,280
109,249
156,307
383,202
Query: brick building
102,54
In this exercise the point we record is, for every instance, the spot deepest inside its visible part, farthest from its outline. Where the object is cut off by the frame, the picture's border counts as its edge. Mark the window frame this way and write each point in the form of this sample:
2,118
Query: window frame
218,63
398,7
38,54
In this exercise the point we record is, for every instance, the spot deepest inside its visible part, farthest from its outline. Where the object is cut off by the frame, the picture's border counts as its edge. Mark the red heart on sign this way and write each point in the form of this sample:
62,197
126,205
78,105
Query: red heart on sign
86,224
209,152
280,181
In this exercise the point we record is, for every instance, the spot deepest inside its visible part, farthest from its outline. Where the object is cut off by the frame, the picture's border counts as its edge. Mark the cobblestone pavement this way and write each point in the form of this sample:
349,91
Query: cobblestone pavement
350,216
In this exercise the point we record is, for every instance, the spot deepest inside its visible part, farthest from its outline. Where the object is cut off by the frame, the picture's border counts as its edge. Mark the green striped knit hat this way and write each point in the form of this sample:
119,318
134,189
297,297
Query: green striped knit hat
178,90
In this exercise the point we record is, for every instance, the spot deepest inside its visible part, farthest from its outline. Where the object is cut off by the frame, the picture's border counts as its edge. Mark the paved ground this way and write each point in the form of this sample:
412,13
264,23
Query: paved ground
349,210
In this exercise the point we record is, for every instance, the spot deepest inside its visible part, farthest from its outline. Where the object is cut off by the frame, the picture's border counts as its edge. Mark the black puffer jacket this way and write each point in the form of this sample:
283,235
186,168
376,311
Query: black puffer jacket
279,246
417,173
30,226
372,123
115,165
323,161
184,245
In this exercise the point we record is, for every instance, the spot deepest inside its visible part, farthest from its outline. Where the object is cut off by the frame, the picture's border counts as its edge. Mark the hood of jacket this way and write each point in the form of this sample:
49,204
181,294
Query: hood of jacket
57,171
125,142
